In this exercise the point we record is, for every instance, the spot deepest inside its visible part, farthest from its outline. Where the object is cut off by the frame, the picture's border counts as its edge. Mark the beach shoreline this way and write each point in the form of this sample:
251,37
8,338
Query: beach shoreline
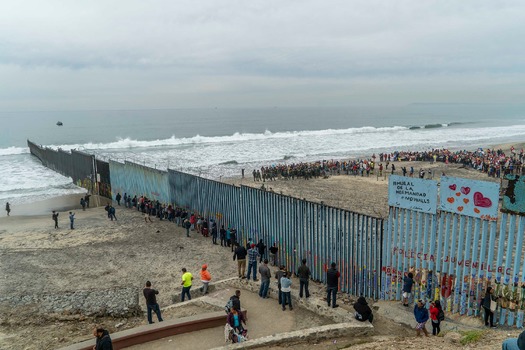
60,203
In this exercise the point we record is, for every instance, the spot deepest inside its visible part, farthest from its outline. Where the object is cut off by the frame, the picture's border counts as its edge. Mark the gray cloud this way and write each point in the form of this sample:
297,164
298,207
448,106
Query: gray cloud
161,54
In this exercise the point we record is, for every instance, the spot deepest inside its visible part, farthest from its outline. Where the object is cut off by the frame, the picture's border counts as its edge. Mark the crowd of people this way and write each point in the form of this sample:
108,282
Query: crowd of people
495,163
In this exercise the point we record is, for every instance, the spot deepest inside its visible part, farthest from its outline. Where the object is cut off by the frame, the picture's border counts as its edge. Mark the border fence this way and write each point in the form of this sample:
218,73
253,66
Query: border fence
301,229
451,237
84,169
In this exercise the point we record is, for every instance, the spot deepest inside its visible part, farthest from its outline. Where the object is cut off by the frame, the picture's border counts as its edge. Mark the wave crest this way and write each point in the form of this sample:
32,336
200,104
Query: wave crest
13,151
128,143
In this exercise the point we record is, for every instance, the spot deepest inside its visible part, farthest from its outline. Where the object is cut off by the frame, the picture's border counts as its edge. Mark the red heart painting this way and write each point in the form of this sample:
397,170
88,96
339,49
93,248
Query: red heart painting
481,201
452,187
465,190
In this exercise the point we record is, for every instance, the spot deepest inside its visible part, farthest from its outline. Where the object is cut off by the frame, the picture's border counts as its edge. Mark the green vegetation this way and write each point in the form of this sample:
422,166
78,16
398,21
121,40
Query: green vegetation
469,337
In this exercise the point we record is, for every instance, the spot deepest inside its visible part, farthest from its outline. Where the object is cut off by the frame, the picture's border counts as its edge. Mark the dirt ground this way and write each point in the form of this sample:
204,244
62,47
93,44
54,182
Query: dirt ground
98,254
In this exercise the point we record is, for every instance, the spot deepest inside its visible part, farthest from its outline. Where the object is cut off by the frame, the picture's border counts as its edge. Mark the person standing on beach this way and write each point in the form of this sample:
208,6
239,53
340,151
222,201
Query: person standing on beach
233,238
240,255
408,282
205,279
286,290
55,218
86,198
83,203
278,275
253,254
72,220
7,208
332,283
273,254
118,197
261,247
151,302
485,303
304,277
214,232
266,274
186,224
187,279
435,318
222,235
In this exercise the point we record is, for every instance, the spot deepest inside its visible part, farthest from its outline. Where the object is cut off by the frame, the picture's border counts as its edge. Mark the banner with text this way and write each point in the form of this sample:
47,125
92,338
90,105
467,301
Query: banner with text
415,194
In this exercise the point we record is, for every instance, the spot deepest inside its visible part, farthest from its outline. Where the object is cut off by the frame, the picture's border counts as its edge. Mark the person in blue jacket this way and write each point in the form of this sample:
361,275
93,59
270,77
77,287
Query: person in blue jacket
421,315
515,343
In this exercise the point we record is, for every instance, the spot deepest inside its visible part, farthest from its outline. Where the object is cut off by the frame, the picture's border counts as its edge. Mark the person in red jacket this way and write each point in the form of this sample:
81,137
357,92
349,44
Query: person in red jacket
435,307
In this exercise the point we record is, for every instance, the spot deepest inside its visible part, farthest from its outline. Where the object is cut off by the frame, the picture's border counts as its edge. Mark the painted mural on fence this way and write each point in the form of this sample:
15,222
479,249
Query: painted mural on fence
410,193
514,196
474,198
455,254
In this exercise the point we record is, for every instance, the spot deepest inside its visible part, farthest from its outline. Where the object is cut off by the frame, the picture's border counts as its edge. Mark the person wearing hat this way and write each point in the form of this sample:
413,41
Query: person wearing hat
205,279
253,254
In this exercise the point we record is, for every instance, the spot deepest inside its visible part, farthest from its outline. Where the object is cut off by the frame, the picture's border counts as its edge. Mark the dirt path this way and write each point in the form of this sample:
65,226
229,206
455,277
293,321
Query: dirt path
265,317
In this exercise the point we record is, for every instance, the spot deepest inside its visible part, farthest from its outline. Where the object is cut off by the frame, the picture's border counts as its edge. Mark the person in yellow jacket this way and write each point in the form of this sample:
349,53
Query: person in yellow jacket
205,279
187,279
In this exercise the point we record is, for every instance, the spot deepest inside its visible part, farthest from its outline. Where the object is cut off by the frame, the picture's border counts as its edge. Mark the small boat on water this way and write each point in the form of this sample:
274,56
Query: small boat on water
59,123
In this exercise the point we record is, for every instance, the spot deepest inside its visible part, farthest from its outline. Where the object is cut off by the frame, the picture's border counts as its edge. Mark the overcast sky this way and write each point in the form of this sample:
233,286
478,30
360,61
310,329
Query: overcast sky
57,55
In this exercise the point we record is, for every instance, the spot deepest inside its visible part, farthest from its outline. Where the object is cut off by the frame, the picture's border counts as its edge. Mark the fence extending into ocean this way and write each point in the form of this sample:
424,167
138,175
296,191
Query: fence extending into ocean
301,229
452,237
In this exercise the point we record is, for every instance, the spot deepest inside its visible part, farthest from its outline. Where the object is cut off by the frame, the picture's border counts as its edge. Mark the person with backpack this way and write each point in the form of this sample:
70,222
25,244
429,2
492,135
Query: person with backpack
436,316
234,302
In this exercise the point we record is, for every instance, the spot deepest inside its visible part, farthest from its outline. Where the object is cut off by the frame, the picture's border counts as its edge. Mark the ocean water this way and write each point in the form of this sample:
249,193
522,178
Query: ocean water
220,142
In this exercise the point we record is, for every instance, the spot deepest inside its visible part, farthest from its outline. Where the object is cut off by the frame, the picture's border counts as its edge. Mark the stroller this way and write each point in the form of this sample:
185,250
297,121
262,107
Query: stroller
230,335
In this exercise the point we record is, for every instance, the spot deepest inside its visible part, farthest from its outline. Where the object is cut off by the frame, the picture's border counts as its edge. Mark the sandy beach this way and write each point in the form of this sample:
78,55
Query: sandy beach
36,259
